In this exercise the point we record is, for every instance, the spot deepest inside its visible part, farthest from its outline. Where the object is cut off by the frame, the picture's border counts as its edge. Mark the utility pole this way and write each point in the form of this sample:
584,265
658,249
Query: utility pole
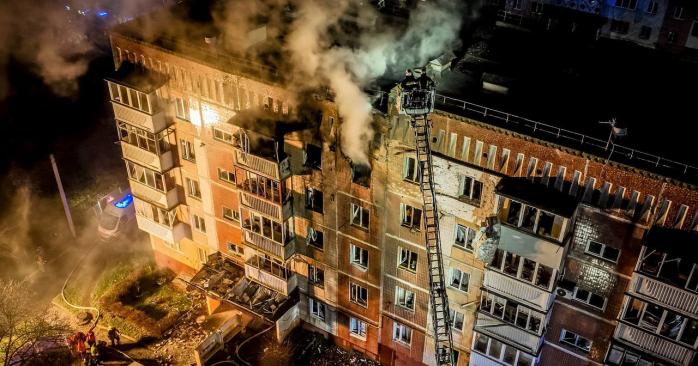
68,216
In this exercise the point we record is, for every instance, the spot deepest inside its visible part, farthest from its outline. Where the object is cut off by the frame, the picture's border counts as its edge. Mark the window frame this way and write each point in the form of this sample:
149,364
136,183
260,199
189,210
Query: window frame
199,223
317,309
358,212
313,276
467,244
602,251
402,333
313,242
408,258
355,294
239,251
402,298
193,188
577,339
235,215
415,177
452,271
361,328
411,217
353,250
469,183
225,176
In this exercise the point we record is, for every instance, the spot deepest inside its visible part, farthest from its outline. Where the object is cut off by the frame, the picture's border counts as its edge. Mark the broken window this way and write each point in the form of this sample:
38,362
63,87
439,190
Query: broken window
313,199
459,280
358,294
410,217
359,216
361,174
199,223
193,189
182,108
575,340
317,309
410,172
223,136
407,259
544,276
511,264
670,268
603,251
226,176
316,276
404,298
187,150
464,237
456,318
470,189
230,214
314,238
358,256
312,156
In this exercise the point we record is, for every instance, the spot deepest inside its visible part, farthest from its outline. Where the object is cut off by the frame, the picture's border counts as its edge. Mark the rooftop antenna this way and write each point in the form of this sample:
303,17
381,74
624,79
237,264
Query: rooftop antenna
616,131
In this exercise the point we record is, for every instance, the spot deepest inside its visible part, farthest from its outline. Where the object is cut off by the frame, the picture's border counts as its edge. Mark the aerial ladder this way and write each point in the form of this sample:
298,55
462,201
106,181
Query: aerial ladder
417,101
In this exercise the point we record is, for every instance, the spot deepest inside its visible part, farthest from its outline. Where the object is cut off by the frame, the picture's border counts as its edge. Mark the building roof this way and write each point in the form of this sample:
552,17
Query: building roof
532,192
674,241
137,77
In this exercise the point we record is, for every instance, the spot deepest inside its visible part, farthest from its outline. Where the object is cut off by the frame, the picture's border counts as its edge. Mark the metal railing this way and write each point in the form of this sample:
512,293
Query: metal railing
568,138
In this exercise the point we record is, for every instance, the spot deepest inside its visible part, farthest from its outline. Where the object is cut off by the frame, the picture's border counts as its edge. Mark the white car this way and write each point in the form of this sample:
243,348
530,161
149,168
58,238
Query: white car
117,217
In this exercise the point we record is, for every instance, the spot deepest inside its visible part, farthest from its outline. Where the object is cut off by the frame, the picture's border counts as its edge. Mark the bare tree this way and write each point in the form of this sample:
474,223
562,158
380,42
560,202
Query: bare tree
23,324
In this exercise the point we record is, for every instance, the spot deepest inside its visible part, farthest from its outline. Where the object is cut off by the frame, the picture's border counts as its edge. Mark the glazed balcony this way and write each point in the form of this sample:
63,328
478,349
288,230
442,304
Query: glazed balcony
518,290
654,344
152,160
270,274
170,234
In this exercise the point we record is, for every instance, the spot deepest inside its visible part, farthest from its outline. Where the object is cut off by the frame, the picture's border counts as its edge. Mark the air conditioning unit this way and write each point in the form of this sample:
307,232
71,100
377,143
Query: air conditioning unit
564,293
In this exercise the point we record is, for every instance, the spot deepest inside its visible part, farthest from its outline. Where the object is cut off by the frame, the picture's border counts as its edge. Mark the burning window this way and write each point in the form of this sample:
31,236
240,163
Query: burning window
361,175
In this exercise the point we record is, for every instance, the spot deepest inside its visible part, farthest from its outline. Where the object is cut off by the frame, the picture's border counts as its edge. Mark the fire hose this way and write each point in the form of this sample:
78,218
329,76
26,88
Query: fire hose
237,349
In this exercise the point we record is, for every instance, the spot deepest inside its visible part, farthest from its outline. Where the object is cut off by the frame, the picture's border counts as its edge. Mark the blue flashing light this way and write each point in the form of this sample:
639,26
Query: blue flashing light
102,13
124,202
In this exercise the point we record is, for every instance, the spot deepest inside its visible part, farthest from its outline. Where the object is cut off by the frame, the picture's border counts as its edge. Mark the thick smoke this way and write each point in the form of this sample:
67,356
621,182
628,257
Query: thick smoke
317,57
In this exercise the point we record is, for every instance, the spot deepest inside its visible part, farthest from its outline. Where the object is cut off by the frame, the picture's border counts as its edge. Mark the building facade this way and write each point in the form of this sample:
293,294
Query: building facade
220,165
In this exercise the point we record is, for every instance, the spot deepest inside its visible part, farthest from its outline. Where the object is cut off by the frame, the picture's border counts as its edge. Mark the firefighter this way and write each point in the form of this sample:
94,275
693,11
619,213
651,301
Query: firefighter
80,345
90,338
114,336
94,354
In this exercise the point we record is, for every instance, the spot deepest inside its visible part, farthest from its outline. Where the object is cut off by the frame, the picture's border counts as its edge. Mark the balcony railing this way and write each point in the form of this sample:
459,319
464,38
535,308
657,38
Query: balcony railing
166,199
665,294
172,234
267,208
267,245
518,290
160,163
268,168
488,324
284,286
654,344
153,123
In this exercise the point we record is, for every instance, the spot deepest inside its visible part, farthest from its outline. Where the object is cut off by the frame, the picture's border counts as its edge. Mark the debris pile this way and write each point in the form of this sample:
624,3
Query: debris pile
176,345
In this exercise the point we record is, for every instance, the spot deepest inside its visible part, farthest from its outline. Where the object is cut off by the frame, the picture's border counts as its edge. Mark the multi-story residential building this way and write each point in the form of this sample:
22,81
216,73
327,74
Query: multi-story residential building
251,201
680,28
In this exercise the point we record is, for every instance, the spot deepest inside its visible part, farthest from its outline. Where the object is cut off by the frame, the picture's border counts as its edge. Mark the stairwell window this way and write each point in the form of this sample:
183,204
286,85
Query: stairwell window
187,150
410,172
602,251
226,176
407,259
357,328
316,276
182,108
464,237
317,309
358,294
402,333
459,280
230,214
193,189
314,238
469,190
456,318
359,216
313,199
199,223
575,340
358,256
410,217
404,298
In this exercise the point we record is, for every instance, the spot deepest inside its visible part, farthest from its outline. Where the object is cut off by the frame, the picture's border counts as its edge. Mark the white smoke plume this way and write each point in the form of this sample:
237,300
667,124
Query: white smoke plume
433,29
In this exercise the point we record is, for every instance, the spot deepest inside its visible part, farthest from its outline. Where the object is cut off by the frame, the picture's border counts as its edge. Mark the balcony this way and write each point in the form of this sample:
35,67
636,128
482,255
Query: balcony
160,163
665,294
169,234
267,245
274,210
262,276
478,359
654,344
166,199
151,122
519,290
268,168
487,324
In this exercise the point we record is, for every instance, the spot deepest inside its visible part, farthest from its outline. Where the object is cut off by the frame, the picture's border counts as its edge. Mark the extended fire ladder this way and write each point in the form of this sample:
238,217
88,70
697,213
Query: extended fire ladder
417,101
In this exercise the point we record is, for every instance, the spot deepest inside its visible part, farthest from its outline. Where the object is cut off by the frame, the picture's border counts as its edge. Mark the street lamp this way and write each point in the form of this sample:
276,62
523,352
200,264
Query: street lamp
615,131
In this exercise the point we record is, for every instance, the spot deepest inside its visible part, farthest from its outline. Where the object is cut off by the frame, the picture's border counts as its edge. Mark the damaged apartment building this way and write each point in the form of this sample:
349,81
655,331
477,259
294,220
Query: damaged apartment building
555,252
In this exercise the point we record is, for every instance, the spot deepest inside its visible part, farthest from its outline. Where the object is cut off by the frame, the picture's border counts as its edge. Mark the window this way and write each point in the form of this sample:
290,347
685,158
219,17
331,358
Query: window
619,356
470,189
359,216
626,4
658,320
146,176
312,156
407,259
199,223
182,108
314,238
235,249
402,333
226,176
193,188
589,298
357,328
517,4
230,214
456,319
316,276
601,250
526,269
500,352
464,237
652,7
452,144
575,340
358,294
511,312
410,172
536,7
678,12
187,150
645,32
619,26
154,143
265,227
404,298
671,37
359,256
317,309
410,217
459,279
223,136
530,218
313,199
202,255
